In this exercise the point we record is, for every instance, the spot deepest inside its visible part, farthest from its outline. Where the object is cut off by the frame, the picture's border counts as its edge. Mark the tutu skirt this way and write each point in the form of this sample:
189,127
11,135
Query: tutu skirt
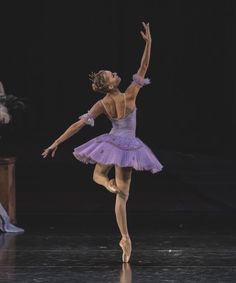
124,151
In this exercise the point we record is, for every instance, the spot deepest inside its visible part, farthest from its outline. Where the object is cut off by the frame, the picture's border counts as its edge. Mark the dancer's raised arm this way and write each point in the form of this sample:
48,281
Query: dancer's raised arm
87,118
139,78
147,51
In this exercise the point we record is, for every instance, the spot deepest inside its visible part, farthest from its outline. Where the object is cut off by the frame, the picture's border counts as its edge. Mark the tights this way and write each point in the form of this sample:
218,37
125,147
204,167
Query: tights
122,182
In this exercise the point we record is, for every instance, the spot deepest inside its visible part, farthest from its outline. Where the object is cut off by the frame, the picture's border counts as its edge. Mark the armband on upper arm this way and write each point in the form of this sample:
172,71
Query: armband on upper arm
88,119
140,81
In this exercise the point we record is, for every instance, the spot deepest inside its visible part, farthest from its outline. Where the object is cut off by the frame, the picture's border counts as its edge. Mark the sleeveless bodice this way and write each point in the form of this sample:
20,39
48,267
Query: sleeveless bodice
124,126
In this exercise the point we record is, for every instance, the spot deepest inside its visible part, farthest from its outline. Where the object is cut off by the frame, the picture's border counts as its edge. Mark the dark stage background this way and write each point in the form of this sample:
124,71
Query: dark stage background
186,116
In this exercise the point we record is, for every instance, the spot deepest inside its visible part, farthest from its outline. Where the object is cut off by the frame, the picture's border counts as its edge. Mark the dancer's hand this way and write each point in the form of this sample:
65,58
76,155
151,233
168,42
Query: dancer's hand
51,149
146,34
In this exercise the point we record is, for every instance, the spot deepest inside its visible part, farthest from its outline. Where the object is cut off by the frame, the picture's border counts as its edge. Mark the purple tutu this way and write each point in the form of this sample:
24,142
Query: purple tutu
119,147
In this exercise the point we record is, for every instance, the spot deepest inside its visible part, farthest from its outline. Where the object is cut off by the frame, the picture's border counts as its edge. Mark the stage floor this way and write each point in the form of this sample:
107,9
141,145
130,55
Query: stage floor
67,251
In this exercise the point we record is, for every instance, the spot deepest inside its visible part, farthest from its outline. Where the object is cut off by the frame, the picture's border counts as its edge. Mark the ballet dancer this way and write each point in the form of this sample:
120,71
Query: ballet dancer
120,148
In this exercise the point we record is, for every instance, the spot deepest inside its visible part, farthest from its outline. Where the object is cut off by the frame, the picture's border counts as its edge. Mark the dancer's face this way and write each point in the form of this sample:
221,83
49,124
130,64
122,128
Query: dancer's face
112,79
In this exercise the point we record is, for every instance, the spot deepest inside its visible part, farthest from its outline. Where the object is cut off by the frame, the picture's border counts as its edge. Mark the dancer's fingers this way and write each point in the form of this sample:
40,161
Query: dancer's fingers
145,26
54,151
142,33
45,152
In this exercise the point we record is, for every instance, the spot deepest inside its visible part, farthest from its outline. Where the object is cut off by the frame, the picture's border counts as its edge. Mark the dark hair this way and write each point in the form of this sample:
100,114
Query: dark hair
99,83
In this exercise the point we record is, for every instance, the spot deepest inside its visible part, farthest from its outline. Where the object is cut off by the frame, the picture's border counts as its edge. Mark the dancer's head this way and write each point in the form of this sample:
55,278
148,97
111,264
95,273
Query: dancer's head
104,81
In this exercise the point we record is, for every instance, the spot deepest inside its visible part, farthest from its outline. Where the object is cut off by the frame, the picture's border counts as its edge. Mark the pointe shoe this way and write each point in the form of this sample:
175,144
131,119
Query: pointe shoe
126,246
111,187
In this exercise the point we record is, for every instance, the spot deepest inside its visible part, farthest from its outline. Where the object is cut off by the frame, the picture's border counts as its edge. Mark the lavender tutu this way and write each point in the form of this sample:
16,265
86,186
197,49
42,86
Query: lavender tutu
119,147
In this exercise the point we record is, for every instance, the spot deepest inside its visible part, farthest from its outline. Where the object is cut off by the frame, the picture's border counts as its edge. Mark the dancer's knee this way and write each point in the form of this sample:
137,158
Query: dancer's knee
123,194
123,189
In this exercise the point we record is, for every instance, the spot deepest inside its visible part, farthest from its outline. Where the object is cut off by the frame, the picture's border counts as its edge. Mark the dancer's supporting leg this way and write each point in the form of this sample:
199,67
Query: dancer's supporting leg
123,180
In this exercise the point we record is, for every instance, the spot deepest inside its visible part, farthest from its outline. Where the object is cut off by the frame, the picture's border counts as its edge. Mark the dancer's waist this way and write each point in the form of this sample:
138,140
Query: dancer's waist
123,132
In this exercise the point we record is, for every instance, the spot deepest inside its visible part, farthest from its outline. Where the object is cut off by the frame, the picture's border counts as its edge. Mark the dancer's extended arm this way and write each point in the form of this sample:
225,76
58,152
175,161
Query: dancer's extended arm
95,111
147,51
139,77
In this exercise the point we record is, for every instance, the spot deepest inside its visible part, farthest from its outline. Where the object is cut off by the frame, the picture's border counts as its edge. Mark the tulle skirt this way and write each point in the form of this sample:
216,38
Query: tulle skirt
124,151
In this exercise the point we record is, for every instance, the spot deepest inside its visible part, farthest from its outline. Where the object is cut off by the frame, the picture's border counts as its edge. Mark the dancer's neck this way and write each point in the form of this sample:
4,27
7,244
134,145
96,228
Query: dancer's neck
114,92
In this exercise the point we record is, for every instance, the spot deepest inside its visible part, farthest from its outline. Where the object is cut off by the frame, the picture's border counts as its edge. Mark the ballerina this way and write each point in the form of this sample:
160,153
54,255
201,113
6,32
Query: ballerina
120,148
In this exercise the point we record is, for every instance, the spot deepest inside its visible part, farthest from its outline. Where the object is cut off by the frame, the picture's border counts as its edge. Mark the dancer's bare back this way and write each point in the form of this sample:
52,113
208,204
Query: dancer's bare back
118,106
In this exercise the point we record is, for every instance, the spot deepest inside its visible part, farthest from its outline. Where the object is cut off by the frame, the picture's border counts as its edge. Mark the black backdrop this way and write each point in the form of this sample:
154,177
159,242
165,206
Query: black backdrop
187,114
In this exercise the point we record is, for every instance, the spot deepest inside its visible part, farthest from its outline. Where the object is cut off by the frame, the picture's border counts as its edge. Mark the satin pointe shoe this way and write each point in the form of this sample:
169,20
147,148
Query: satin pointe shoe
126,246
